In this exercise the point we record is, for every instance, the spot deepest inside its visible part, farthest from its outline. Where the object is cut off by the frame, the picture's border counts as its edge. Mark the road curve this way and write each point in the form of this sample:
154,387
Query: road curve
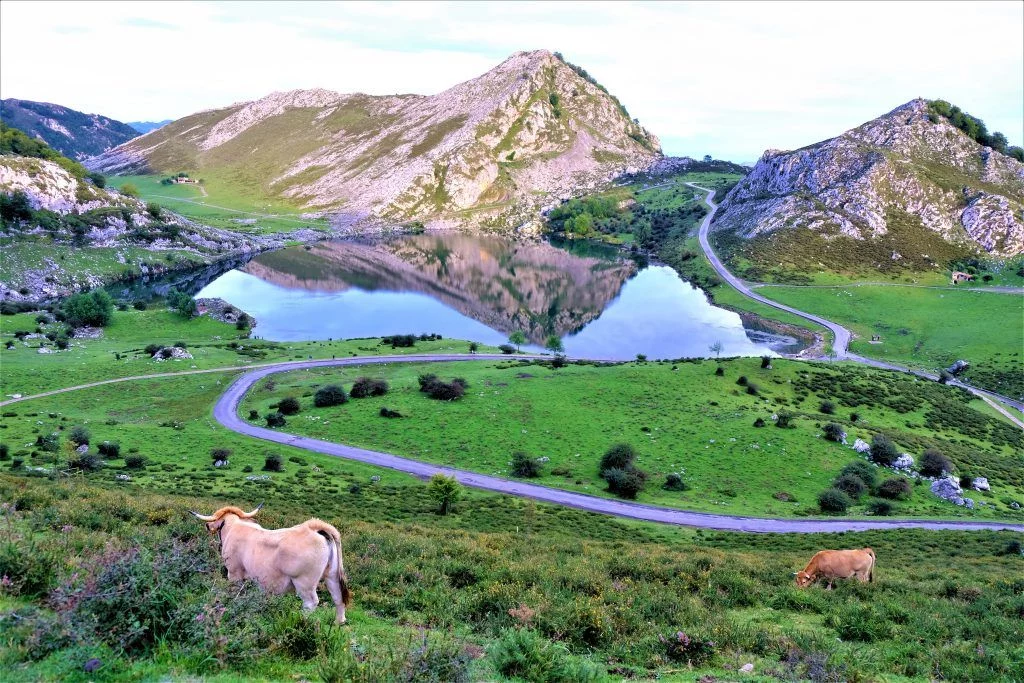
225,411
841,344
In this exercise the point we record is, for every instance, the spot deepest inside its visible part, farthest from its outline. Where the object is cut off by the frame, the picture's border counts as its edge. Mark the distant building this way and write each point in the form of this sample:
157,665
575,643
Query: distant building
959,277
185,180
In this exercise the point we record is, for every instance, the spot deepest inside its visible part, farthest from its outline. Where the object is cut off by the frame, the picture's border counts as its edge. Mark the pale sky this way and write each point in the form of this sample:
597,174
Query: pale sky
728,79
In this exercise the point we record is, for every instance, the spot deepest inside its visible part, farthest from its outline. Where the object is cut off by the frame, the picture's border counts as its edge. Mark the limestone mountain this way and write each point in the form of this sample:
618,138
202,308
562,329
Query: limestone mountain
907,190
72,133
490,151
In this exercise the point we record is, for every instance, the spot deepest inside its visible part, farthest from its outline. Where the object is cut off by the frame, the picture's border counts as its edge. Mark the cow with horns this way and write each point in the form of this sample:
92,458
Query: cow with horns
838,564
281,559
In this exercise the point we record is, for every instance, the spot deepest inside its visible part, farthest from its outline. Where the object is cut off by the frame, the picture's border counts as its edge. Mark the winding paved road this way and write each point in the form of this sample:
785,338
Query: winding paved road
226,413
841,344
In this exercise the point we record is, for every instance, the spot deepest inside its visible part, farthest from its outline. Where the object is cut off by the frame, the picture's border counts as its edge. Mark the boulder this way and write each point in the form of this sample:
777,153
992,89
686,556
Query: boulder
172,353
956,367
949,489
861,446
904,463
83,449
980,484
969,503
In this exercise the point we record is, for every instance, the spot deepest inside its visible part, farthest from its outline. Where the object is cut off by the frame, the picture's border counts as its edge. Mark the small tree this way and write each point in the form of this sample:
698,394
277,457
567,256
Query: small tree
897,488
473,346
109,449
716,349
507,349
275,420
365,387
182,303
273,463
862,470
834,432
517,339
554,344
220,454
129,190
851,485
620,456
827,407
883,450
766,362
445,491
626,483
289,405
329,395
79,436
934,464
525,466
94,308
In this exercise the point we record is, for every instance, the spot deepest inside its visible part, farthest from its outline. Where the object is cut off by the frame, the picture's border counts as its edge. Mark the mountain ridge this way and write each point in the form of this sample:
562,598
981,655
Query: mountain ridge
490,151
74,134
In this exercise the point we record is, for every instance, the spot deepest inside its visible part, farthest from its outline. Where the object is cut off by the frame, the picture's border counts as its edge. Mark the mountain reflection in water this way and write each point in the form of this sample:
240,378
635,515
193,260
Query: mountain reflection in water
481,288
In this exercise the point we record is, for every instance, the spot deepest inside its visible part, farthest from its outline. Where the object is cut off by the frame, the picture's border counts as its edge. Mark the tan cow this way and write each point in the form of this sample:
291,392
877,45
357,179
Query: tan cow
838,564
281,559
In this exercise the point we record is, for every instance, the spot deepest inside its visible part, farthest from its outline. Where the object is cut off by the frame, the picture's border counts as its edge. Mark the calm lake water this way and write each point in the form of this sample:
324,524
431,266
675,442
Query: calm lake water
481,288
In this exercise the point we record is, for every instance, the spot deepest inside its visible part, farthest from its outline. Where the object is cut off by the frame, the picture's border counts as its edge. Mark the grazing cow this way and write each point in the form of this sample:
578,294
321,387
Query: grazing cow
838,564
281,559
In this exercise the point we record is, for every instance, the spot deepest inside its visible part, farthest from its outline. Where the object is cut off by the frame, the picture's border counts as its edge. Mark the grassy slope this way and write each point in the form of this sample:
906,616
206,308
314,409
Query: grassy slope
224,205
928,328
685,420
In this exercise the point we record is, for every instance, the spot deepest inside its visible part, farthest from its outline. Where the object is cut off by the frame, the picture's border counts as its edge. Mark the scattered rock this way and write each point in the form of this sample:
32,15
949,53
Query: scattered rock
980,484
375,479
258,477
949,489
747,668
956,367
861,446
904,463
45,349
172,353
83,449
88,333
969,503
220,463
123,477
92,665
1015,505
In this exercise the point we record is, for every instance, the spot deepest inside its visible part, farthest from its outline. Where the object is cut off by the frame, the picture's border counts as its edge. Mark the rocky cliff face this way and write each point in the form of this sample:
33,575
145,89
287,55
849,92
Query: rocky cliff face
72,133
901,164
487,152
528,286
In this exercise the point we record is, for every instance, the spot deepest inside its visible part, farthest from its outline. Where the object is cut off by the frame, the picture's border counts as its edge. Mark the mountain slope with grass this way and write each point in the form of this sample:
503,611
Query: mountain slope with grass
489,152
72,133
918,189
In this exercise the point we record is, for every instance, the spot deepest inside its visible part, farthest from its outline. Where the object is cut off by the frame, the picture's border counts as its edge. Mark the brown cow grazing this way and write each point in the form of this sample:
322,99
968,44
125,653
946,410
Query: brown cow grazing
838,564
281,559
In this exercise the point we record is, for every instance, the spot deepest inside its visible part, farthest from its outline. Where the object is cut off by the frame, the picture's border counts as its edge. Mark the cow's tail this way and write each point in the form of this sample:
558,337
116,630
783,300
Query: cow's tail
335,564
871,571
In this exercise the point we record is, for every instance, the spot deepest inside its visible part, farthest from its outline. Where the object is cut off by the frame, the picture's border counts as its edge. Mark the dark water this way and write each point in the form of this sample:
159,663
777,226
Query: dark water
481,288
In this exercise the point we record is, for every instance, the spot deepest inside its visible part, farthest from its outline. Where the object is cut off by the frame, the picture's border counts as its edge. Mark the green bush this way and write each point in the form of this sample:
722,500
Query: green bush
525,466
289,405
109,449
626,483
880,508
883,450
833,432
834,500
681,648
896,488
273,463
851,485
859,622
365,387
620,456
86,462
934,464
79,435
275,420
135,461
862,470
524,654
445,491
94,308
30,570
329,395
827,407
675,482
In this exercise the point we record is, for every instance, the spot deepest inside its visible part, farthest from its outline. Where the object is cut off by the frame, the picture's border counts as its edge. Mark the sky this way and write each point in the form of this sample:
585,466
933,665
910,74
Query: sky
728,79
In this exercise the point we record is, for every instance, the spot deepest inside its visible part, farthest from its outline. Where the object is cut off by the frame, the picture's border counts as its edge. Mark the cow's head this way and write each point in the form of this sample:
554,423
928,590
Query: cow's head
803,579
215,521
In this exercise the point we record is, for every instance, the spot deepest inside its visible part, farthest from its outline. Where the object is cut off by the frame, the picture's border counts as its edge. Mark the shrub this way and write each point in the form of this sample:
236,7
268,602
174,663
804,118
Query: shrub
719,371
620,456
445,491
785,420
742,380
220,454
48,442
627,482
506,348
525,466
524,654
437,389
694,652
851,485
151,349
5,452
897,488
881,508
135,462
139,305
674,482
109,449
254,414
883,450
854,417
89,308
834,500
387,412
289,405
827,407
31,570
86,462
275,420
79,436
862,470
273,463
400,340
365,387
834,432
329,395
559,361
766,362
934,464
753,389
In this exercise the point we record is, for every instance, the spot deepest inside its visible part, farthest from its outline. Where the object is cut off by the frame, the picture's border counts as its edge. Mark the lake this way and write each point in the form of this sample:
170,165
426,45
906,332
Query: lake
480,288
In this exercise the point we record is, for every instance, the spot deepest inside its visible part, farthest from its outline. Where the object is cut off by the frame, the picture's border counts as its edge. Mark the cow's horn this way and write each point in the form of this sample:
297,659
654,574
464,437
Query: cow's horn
257,509
795,573
205,518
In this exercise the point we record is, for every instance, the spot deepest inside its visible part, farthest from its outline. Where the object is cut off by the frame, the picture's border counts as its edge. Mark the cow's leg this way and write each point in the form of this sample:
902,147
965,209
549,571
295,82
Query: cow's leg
306,589
334,586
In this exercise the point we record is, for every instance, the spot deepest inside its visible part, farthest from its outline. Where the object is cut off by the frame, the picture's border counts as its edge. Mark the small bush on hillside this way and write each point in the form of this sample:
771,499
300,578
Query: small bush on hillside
220,454
753,389
883,450
827,407
626,483
934,464
387,412
897,488
48,442
151,349
254,414
862,470
674,482
329,395
365,387
289,405
834,500
854,417
94,308
719,371
759,422
525,466
440,390
30,570
506,349
620,456
273,463
766,362
833,432
79,436
135,461
524,654
400,341
851,485
445,491
109,449
684,649
5,452
559,361
275,420
742,380
139,305
86,462
785,420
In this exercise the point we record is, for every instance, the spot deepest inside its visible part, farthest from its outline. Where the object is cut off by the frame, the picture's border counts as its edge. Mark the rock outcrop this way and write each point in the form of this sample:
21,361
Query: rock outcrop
908,165
488,152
